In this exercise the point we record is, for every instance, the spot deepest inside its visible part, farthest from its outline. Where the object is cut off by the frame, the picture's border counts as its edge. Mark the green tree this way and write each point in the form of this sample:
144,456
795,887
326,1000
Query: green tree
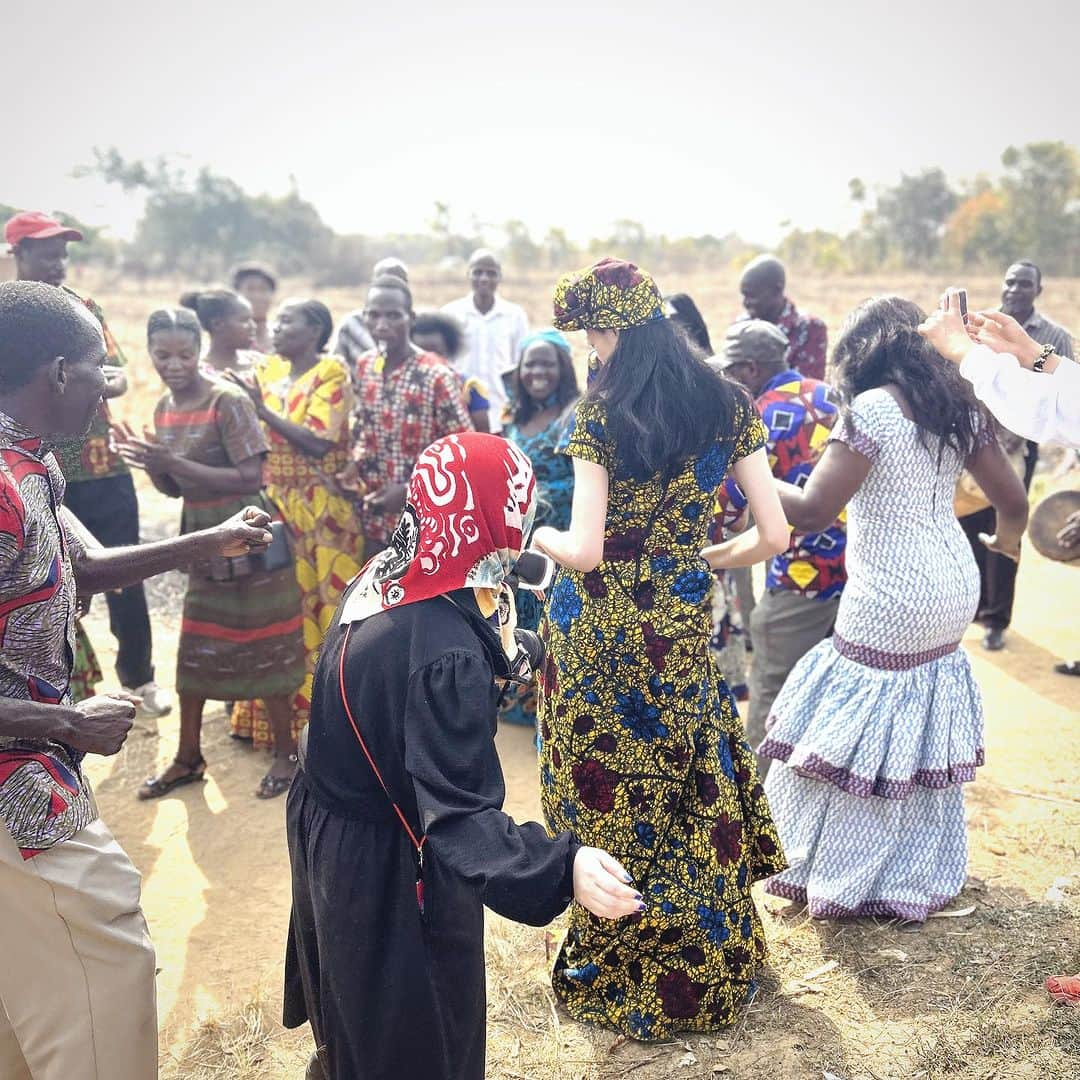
913,214
200,224
1041,187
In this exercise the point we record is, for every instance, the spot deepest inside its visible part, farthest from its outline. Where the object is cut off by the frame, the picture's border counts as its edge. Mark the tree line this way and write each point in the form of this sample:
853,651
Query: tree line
198,223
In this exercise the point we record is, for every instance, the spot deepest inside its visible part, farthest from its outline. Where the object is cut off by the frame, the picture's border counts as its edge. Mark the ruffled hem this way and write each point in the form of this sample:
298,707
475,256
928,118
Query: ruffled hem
864,786
878,732
876,907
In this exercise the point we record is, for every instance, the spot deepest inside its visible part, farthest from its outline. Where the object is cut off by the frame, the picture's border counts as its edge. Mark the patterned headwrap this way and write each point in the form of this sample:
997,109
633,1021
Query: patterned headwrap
551,337
610,295
468,513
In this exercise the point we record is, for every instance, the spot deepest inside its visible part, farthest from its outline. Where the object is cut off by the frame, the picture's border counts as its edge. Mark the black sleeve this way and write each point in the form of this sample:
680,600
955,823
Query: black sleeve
450,754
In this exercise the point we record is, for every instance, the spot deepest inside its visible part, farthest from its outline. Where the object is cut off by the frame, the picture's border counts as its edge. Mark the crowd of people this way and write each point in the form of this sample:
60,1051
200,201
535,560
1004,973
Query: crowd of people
354,513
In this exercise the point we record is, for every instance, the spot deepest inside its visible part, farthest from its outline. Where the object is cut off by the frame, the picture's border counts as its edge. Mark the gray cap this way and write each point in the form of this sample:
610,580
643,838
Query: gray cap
753,340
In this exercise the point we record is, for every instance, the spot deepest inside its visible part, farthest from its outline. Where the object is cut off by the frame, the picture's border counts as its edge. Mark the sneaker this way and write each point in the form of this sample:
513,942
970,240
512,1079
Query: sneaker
155,701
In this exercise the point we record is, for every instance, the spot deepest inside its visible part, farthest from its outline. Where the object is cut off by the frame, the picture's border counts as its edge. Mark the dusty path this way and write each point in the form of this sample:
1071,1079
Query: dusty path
960,998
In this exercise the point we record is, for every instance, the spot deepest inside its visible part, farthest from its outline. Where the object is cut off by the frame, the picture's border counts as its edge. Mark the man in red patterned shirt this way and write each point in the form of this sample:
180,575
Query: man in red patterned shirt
76,962
762,286
405,400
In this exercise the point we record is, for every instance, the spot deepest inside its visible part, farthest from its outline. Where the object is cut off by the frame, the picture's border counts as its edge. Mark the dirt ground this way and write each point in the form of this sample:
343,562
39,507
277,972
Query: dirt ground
960,997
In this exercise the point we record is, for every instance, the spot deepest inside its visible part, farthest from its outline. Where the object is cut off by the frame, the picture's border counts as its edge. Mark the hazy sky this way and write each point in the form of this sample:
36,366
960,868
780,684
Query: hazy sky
691,119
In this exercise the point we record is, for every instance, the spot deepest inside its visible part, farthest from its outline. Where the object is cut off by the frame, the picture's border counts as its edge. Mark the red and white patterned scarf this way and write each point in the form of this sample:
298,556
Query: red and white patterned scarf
468,513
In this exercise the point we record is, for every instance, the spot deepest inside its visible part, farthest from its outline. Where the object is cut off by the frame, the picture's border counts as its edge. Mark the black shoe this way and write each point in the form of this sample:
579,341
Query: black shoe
994,641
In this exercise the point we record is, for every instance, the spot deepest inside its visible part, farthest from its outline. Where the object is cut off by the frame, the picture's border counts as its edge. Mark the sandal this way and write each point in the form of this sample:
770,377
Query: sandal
1068,667
155,787
270,786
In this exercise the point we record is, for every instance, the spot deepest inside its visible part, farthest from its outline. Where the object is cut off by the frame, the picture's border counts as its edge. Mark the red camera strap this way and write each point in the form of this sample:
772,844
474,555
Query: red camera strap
416,843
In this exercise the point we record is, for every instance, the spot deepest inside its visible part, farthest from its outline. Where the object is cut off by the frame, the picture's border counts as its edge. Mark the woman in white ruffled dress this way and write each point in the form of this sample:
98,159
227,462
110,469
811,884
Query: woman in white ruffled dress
879,726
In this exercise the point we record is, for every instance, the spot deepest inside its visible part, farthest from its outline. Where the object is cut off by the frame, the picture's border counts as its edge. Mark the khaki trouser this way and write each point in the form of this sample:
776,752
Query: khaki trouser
77,995
784,626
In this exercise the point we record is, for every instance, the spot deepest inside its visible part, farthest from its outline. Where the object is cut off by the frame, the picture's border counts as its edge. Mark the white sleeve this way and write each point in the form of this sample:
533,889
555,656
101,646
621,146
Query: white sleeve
1043,408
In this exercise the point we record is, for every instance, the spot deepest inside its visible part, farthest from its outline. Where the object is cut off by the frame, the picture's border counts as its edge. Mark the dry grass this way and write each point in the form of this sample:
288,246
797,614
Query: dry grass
960,998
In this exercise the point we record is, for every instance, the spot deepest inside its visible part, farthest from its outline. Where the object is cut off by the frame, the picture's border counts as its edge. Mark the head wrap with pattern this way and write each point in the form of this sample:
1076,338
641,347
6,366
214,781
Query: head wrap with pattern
609,295
467,516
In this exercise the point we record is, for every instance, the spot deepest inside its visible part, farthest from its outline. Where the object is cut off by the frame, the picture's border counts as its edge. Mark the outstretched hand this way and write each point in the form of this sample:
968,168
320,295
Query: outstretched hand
242,534
1004,334
602,886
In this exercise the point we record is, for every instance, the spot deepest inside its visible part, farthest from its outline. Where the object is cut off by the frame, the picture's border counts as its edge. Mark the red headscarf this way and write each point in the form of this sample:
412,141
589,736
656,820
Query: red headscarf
469,511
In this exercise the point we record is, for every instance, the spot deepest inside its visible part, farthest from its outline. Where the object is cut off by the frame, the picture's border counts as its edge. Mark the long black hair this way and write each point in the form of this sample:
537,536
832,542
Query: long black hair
687,316
663,403
880,344
565,393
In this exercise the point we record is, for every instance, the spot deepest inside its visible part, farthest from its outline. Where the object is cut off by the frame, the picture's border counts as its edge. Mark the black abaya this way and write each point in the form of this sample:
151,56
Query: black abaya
391,992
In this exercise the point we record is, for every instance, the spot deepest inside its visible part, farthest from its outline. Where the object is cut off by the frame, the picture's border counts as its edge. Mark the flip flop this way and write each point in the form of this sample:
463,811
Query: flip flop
1068,667
1064,989
270,787
155,787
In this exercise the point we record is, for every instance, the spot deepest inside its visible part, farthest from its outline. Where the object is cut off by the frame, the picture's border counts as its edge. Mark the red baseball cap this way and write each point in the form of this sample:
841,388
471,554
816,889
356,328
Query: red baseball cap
36,225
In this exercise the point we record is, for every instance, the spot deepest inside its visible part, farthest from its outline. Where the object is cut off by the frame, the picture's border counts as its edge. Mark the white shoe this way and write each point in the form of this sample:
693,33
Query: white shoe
155,701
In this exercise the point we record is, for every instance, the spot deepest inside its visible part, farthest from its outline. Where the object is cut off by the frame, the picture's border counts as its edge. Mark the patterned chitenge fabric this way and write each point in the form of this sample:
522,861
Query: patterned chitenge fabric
643,754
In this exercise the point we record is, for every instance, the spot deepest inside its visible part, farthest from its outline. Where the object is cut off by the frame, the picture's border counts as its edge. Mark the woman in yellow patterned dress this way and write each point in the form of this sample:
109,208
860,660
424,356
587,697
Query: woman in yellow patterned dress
643,752
305,399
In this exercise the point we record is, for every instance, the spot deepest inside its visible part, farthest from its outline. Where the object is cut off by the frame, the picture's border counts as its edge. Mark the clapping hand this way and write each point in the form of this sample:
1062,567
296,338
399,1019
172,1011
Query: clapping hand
248,381
143,452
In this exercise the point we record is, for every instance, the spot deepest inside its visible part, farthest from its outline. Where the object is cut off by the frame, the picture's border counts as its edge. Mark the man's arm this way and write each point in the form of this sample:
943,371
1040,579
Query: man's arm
116,568
98,725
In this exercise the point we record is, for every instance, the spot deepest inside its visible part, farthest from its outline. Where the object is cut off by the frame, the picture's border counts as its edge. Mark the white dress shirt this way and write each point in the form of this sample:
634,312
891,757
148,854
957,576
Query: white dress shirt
1040,407
492,341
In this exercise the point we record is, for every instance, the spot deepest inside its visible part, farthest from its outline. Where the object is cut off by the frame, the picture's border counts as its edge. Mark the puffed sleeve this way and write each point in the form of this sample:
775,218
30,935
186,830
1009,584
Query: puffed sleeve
586,436
330,403
860,428
450,755
752,433
238,423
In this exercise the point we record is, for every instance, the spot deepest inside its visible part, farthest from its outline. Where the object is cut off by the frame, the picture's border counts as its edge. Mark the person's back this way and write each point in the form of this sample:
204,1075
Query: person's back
641,742
912,580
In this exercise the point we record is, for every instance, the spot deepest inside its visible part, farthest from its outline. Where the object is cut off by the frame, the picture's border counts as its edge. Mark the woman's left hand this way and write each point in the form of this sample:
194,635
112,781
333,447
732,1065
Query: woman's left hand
146,453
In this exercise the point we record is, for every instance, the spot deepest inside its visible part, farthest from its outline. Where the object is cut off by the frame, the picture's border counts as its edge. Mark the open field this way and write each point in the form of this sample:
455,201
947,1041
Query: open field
960,998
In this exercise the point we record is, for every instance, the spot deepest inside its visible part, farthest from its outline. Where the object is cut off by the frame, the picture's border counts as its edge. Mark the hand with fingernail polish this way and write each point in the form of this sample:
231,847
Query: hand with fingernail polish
602,885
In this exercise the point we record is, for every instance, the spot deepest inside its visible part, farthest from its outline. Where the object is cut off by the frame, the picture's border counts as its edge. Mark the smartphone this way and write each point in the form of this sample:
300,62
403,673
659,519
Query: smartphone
961,295
534,571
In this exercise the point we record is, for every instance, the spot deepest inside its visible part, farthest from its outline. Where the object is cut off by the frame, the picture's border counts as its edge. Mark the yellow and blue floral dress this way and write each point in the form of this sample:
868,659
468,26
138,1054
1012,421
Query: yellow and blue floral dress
643,755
